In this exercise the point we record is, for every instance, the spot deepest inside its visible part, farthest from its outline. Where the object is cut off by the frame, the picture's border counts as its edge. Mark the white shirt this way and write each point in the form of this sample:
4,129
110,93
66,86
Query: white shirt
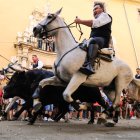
40,65
102,19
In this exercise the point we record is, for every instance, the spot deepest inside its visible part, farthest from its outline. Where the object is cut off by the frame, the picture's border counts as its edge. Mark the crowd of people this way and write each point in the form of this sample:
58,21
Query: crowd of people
127,109
46,44
99,38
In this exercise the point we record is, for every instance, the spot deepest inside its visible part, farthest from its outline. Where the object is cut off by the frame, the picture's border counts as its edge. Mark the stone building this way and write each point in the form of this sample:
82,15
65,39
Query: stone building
18,20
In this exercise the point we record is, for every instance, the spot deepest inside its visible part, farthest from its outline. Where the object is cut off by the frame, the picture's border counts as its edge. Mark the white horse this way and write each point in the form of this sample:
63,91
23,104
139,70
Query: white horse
70,58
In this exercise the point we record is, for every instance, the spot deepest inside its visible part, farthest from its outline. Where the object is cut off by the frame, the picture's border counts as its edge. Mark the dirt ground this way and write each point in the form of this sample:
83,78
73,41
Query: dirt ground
75,130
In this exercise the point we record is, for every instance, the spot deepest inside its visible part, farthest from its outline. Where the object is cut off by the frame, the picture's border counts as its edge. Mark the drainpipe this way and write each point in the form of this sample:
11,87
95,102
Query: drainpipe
130,33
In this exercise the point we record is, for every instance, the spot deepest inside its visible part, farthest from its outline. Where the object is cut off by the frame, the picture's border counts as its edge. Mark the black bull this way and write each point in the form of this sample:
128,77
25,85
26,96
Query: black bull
53,95
23,84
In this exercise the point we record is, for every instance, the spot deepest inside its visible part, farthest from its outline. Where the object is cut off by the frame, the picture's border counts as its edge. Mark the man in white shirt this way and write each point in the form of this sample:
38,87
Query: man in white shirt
99,36
36,64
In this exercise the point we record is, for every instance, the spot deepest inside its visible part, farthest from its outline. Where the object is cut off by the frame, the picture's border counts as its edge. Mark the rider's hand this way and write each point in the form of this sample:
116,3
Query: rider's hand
77,20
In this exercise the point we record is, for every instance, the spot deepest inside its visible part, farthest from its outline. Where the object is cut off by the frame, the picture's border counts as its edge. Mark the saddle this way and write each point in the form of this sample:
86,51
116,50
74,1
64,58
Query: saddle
106,54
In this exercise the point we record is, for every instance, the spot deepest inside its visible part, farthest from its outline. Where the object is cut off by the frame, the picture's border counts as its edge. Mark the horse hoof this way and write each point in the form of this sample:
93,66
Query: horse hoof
14,119
56,120
67,121
30,123
109,124
101,121
90,122
75,105
3,118
115,120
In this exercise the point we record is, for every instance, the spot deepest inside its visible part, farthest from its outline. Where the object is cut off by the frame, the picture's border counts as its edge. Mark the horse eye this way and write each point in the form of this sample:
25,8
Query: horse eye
49,16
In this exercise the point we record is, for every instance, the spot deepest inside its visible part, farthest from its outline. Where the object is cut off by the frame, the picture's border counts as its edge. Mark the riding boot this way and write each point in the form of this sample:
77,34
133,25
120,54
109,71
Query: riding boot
36,93
89,68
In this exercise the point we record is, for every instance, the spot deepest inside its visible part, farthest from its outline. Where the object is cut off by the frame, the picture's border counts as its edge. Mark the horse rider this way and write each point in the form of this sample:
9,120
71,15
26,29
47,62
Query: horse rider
99,36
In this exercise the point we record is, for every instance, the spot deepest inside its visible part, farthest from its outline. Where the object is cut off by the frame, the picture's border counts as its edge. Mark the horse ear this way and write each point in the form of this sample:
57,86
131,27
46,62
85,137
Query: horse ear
58,12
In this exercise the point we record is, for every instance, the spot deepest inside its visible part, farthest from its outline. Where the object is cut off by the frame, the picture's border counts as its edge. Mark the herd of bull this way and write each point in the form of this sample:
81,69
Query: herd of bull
23,84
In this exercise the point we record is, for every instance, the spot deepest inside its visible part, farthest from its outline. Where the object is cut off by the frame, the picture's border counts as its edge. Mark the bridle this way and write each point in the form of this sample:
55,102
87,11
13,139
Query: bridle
44,31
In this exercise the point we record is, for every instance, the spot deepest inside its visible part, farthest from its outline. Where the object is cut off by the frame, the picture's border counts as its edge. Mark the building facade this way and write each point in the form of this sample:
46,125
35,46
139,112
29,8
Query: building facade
16,19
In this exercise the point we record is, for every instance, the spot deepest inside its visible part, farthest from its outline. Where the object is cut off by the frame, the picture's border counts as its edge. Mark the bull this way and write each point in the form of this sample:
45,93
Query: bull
51,94
23,84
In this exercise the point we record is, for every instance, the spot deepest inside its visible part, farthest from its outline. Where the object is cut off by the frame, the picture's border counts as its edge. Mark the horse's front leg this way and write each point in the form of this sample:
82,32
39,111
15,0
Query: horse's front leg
77,79
48,81
120,83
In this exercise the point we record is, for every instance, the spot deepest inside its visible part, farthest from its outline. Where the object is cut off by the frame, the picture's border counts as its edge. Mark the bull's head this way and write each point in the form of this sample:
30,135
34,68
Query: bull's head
16,86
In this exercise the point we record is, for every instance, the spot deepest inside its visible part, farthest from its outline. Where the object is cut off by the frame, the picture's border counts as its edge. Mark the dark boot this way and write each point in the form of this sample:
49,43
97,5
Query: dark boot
36,93
88,68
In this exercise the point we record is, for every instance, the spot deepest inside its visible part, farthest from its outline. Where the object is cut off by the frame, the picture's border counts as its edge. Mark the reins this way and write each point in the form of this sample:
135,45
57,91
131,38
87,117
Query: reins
67,26
56,65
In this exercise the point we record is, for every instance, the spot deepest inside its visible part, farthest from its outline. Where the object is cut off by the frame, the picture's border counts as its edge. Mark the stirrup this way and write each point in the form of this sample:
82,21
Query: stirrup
88,70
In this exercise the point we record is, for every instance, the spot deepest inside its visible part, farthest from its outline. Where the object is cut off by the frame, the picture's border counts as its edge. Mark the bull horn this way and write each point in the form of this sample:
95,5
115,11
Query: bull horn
15,69
11,104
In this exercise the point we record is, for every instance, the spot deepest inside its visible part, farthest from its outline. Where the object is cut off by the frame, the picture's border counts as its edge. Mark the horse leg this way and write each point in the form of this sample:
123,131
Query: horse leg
34,116
48,81
102,119
74,83
61,115
121,82
17,114
26,106
116,115
62,111
91,121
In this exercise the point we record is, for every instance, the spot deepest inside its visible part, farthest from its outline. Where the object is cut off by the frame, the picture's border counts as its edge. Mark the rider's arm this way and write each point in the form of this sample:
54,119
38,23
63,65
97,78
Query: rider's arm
84,22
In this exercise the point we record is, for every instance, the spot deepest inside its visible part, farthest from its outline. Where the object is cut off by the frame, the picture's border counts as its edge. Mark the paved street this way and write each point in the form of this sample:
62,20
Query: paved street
75,130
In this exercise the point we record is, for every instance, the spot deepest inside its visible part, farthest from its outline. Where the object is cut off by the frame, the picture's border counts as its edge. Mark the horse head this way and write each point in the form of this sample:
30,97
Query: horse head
45,28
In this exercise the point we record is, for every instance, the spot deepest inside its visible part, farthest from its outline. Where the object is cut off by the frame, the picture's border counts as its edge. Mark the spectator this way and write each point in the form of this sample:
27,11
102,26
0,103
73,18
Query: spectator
36,64
97,109
137,76
50,44
48,112
1,101
39,41
71,109
24,115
